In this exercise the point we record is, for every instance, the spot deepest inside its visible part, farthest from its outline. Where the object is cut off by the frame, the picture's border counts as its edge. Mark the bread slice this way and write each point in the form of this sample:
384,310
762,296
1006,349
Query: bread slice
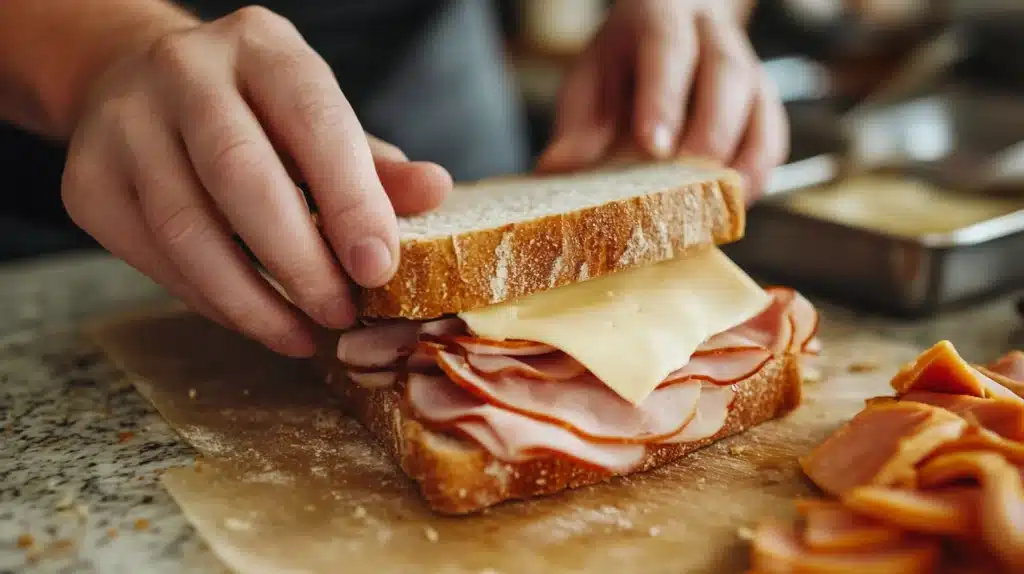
456,476
505,238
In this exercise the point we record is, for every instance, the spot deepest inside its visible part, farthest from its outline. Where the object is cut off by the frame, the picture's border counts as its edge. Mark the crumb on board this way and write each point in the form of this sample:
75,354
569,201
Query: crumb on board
310,507
192,393
738,449
125,436
26,541
811,376
541,482
463,493
654,531
863,366
62,544
745,533
111,533
141,524
359,512
431,534
66,500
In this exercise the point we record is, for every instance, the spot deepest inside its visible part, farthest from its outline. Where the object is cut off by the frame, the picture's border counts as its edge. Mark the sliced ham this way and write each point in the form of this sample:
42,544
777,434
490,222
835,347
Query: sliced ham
507,435
1010,365
1004,418
582,404
950,511
830,527
984,440
940,369
709,417
724,367
880,446
549,367
379,345
510,348
779,548
1002,498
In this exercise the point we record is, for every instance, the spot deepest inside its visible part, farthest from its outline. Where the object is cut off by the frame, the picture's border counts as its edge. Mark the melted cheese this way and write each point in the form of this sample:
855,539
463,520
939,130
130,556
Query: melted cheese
631,329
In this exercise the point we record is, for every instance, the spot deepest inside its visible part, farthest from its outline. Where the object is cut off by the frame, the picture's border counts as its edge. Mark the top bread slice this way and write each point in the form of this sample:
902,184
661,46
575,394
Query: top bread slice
504,238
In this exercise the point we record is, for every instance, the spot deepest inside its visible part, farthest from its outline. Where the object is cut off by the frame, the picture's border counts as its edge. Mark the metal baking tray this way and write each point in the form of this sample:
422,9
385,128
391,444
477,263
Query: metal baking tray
880,272
875,271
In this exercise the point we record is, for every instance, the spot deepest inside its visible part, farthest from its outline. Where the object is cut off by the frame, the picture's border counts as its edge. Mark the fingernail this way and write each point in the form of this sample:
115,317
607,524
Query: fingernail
368,262
661,139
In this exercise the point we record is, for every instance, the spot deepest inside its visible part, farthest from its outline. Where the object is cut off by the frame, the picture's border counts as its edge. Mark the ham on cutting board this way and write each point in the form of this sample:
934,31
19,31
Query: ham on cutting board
930,480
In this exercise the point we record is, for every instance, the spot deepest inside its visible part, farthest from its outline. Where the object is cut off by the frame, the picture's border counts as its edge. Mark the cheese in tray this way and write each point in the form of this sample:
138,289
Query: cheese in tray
547,333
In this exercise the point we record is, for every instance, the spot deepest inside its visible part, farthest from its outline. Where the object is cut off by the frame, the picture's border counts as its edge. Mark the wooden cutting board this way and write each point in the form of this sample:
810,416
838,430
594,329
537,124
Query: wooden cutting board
287,483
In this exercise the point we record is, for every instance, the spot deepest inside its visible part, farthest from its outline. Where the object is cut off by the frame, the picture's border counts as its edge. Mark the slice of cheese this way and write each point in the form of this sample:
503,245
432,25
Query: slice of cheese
631,329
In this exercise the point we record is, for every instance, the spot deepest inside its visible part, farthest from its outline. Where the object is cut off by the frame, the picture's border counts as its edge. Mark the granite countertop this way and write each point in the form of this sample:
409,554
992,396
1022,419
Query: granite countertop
81,452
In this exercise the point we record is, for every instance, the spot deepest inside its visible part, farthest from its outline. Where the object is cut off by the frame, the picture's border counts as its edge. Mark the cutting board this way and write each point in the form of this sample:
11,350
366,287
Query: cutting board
285,482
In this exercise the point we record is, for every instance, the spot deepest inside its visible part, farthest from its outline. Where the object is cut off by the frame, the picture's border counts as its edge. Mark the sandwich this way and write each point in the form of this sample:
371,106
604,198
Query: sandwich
548,332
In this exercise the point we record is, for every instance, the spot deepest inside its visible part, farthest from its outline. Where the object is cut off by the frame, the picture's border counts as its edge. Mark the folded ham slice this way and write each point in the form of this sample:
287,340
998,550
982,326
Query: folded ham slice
507,435
781,548
950,511
582,404
830,526
881,446
1002,497
940,369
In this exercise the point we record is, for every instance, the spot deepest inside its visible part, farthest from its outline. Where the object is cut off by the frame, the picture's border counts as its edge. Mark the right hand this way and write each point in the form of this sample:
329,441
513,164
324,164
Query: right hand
177,149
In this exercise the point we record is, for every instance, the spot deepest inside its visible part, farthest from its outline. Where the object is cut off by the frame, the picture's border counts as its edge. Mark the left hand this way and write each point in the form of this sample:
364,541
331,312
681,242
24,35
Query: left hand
679,77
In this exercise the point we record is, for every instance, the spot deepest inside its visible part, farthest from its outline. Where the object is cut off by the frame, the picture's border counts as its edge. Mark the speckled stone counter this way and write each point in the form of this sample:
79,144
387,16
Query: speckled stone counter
81,452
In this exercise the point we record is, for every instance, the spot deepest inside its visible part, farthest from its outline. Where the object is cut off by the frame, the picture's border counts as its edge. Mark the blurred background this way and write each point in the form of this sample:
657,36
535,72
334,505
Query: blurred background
825,55
904,191
905,187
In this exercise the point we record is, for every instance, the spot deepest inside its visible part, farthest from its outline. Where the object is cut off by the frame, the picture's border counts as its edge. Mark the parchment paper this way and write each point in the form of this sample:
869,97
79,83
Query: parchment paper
287,483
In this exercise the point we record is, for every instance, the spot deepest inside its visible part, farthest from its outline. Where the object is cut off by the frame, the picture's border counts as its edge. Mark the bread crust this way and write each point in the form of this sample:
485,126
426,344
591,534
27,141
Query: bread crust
471,270
456,476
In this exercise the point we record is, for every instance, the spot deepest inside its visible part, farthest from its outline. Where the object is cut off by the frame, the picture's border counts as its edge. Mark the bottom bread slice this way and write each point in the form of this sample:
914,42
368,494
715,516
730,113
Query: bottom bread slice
457,476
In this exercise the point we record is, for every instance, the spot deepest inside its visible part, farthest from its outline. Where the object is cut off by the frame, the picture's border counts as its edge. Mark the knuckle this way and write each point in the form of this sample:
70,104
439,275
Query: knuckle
259,22
232,157
172,54
314,112
182,224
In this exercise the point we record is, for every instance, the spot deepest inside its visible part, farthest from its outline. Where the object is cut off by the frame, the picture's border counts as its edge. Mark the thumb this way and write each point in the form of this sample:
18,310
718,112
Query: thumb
412,186
587,116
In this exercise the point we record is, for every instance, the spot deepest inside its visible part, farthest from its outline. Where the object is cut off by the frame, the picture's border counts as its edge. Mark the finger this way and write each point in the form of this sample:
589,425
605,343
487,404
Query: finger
248,183
117,224
766,142
413,187
723,91
666,61
587,116
189,231
305,109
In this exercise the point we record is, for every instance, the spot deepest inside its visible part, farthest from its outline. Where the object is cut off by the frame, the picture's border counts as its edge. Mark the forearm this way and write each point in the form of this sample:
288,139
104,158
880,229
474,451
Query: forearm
51,51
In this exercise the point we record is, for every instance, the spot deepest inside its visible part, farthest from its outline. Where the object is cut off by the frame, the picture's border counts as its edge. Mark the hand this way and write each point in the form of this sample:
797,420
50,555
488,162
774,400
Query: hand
176,151
677,77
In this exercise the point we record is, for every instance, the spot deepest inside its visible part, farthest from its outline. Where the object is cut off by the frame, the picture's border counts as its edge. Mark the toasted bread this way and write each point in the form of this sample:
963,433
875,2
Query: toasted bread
505,238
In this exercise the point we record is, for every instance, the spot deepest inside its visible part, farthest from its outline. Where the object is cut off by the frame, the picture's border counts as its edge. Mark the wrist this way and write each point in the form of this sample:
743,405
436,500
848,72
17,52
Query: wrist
84,38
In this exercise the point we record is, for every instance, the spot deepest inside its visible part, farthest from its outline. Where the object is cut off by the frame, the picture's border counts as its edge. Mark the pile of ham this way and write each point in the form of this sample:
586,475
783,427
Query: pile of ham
520,399
929,480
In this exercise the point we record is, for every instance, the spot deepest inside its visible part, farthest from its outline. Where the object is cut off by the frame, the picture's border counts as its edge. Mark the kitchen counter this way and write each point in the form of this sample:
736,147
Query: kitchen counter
81,452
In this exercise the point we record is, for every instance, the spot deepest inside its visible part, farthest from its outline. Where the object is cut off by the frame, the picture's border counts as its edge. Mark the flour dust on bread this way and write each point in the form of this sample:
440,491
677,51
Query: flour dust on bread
505,238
